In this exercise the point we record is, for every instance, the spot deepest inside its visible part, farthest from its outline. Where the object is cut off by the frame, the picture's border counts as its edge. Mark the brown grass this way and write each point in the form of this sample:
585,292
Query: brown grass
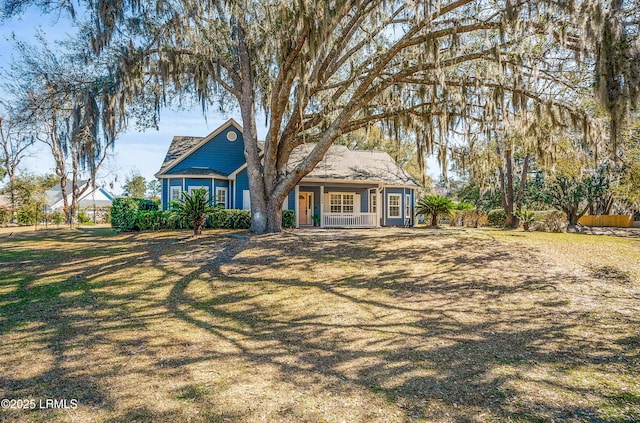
356,326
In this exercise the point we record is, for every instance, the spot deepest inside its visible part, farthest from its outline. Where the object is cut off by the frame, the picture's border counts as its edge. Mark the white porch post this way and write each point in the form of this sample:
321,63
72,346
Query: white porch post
378,206
321,205
296,205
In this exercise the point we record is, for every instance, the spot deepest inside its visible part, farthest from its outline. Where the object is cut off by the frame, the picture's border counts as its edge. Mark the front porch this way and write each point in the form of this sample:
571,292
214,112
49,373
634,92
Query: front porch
349,220
338,205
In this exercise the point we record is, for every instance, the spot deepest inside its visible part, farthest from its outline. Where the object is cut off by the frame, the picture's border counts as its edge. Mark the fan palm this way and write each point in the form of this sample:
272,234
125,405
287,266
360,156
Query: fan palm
194,207
434,205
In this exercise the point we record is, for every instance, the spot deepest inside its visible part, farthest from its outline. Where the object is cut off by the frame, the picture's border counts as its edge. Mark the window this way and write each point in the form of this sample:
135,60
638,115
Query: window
341,203
221,197
394,205
175,193
246,200
373,202
407,206
193,188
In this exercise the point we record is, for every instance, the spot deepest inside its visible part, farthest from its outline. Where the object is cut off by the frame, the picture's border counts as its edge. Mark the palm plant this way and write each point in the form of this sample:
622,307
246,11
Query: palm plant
526,217
193,207
434,205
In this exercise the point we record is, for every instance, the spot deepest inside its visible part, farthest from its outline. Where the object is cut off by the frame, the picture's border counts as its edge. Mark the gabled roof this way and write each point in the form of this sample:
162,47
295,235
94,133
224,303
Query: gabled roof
182,146
353,165
338,163
53,196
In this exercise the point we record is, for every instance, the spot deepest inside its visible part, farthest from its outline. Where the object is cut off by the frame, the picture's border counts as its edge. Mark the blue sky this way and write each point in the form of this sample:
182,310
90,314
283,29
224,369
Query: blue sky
134,151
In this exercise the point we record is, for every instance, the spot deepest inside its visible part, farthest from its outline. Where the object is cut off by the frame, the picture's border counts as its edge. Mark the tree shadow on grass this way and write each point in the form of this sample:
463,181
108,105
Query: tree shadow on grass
473,334
460,355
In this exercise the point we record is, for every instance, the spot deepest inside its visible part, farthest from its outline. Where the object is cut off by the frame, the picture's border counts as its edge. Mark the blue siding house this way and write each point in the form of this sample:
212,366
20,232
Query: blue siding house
348,188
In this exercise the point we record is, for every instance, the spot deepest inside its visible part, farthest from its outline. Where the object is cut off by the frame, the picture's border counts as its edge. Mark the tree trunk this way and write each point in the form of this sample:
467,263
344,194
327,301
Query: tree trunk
523,182
511,219
198,224
434,219
274,215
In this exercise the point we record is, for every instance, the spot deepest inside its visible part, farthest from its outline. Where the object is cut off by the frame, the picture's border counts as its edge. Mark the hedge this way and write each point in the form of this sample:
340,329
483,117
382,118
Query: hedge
127,216
496,218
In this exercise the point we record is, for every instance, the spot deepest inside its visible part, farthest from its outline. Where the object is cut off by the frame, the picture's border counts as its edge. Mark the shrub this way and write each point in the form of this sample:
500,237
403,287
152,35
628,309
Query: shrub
5,215
289,219
148,220
463,206
496,218
551,221
30,213
171,220
468,218
147,204
56,217
526,217
124,213
434,206
229,219
194,207
83,217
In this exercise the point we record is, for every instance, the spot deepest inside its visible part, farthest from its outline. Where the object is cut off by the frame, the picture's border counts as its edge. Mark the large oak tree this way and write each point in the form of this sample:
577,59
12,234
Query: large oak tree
320,69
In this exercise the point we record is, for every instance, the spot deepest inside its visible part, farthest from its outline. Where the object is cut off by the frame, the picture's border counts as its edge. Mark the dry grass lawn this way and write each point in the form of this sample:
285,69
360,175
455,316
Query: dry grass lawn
385,325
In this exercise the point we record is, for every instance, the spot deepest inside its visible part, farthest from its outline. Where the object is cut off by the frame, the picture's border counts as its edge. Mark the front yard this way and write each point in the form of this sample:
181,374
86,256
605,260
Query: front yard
383,325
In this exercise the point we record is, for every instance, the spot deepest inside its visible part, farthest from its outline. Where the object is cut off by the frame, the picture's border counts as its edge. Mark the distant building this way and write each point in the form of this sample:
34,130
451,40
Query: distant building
92,201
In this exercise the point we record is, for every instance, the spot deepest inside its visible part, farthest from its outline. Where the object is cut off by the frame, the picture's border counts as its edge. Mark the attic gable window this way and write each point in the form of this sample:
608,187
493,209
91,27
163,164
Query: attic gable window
232,136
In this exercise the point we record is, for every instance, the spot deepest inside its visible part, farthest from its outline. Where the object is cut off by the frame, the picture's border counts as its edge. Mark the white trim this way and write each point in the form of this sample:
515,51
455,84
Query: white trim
349,181
339,181
342,204
310,198
407,206
177,176
394,194
384,206
204,140
226,196
321,205
297,206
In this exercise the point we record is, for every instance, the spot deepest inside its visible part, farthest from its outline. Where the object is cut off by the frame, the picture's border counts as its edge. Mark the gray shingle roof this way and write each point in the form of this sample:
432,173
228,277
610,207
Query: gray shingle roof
353,165
179,146
339,163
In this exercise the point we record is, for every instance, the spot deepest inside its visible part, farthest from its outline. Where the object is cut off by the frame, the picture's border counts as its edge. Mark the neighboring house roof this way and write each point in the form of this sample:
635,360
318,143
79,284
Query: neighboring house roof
98,197
353,165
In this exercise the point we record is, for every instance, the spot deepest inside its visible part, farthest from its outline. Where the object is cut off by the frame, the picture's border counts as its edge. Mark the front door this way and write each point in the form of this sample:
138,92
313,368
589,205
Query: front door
305,208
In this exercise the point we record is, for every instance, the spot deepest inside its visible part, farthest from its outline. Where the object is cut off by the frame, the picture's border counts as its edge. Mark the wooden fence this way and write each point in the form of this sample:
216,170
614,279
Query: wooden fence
612,220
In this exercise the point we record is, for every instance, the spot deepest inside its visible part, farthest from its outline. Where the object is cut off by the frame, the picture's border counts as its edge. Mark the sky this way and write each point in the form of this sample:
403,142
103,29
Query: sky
134,152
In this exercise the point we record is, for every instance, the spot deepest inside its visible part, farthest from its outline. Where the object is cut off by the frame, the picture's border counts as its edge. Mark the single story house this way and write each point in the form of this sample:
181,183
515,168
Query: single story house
93,200
348,188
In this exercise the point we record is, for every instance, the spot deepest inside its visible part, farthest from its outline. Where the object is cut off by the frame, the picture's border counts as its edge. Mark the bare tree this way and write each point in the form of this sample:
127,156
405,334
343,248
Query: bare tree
68,105
14,144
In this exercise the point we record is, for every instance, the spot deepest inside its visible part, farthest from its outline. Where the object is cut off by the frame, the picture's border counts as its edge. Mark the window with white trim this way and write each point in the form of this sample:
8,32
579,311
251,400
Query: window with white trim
394,208
407,206
373,206
204,187
174,194
221,197
341,203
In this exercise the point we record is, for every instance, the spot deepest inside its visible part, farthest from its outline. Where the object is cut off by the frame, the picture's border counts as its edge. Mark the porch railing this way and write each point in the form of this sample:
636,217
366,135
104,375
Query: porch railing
350,220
